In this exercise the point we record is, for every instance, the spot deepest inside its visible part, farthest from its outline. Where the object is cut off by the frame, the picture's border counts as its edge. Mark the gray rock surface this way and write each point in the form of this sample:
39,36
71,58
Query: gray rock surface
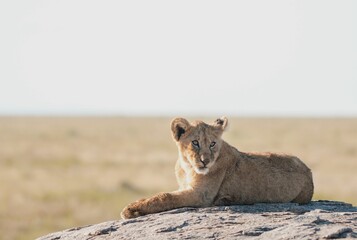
317,220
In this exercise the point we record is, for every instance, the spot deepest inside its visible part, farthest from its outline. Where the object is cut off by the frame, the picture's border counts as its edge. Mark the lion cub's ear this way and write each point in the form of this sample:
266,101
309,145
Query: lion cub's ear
178,127
221,123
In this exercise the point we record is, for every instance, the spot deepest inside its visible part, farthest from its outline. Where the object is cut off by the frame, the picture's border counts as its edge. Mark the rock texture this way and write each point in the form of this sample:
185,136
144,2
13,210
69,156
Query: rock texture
317,220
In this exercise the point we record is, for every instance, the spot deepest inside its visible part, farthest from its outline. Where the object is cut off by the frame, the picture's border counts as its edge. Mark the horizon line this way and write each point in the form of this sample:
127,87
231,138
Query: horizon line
168,115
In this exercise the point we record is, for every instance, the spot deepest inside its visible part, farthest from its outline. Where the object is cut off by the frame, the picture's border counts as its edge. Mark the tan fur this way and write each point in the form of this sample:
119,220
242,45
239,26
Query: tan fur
221,175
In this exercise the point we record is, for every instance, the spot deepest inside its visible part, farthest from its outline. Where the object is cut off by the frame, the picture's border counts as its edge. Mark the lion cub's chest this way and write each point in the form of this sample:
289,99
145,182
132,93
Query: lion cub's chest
185,175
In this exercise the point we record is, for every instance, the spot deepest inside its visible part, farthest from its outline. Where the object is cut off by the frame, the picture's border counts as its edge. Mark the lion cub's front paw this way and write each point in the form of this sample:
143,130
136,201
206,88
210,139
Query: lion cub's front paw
131,211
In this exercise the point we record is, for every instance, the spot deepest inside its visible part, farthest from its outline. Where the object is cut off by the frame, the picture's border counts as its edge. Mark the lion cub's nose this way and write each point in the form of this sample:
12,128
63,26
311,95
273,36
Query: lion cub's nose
204,160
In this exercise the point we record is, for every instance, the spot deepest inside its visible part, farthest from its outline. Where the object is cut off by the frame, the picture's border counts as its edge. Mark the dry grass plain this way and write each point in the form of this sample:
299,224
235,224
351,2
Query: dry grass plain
57,173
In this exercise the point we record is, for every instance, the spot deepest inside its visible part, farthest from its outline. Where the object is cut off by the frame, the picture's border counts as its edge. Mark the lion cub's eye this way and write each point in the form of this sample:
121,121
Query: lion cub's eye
195,143
212,145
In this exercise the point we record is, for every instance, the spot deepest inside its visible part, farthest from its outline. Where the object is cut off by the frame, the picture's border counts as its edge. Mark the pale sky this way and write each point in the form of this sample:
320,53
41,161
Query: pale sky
179,57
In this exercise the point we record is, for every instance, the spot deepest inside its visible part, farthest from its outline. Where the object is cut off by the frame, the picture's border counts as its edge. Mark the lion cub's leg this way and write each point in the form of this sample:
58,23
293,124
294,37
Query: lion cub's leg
166,201
305,195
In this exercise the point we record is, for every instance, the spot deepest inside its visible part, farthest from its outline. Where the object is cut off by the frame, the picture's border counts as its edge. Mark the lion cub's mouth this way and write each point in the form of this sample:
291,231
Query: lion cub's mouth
202,170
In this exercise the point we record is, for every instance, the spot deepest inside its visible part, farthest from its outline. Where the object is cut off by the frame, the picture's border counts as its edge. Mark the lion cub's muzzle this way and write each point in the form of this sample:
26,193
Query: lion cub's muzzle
205,160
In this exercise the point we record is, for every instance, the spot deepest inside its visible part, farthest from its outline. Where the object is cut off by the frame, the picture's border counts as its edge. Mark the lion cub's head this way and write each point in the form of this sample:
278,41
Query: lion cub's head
199,143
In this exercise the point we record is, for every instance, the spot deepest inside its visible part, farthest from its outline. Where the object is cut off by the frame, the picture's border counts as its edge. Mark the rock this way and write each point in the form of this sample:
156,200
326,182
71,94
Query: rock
316,220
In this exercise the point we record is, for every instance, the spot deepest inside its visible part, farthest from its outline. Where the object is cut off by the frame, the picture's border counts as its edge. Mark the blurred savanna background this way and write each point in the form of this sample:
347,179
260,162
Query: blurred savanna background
89,88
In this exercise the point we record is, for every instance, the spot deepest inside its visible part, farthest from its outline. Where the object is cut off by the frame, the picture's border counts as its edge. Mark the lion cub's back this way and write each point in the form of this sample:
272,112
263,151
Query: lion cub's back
272,161
266,177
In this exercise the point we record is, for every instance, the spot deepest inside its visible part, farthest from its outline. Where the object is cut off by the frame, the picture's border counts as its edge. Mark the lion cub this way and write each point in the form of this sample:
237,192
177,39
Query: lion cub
211,172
